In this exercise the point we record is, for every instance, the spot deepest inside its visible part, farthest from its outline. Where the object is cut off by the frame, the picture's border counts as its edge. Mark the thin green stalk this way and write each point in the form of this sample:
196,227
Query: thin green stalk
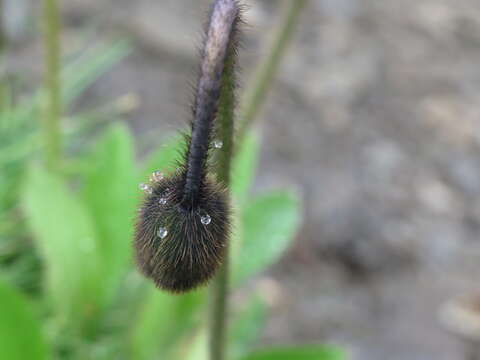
254,99
256,94
51,118
218,326
225,130
3,39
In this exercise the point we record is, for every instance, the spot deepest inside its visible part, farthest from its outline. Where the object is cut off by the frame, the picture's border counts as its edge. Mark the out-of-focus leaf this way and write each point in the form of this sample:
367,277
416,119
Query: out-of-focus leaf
110,194
65,237
83,72
197,348
243,172
299,353
244,332
269,224
165,157
244,166
20,333
18,134
246,328
162,321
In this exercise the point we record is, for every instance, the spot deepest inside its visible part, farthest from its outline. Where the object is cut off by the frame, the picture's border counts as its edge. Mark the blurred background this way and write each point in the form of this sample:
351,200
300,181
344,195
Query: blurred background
373,119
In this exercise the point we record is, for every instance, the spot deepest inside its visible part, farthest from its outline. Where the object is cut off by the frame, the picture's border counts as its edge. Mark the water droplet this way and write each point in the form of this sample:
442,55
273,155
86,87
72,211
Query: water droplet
162,233
157,176
163,201
217,144
146,188
205,219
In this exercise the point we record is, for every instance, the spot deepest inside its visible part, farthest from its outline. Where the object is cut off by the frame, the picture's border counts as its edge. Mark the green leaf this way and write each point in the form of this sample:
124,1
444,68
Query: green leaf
110,194
165,157
269,224
197,348
244,333
66,240
246,328
20,332
162,321
244,166
299,353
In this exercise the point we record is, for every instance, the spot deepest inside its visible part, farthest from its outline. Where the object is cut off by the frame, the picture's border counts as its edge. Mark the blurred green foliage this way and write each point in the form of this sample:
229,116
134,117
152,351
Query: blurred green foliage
20,139
68,288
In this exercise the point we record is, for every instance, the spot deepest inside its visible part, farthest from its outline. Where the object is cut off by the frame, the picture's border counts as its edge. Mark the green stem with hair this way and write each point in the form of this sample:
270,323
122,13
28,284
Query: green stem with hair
256,94
225,131
254,99
52,111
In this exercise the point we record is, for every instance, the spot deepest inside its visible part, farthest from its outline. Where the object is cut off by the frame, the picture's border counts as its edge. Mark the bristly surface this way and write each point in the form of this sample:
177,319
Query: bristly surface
191,251
183,225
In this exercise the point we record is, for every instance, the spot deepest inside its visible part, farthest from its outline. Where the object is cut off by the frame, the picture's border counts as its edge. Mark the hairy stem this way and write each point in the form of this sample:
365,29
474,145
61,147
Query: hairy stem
225,130
51,118
256,94
255,98
222,21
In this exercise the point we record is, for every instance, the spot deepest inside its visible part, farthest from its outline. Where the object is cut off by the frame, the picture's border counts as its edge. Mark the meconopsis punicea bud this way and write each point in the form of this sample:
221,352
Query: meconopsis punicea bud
183,224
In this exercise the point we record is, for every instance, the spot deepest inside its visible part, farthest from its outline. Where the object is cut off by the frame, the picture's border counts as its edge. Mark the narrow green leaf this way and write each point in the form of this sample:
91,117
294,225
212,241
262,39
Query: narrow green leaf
162,321
246,328
20,332
65,237
244,166
299,353
269,224
165,157
111,195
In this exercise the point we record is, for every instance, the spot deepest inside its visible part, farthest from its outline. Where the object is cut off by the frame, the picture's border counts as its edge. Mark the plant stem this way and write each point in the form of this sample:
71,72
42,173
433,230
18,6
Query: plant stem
51,118
3,38
256,94
225,130
218,326
254,99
